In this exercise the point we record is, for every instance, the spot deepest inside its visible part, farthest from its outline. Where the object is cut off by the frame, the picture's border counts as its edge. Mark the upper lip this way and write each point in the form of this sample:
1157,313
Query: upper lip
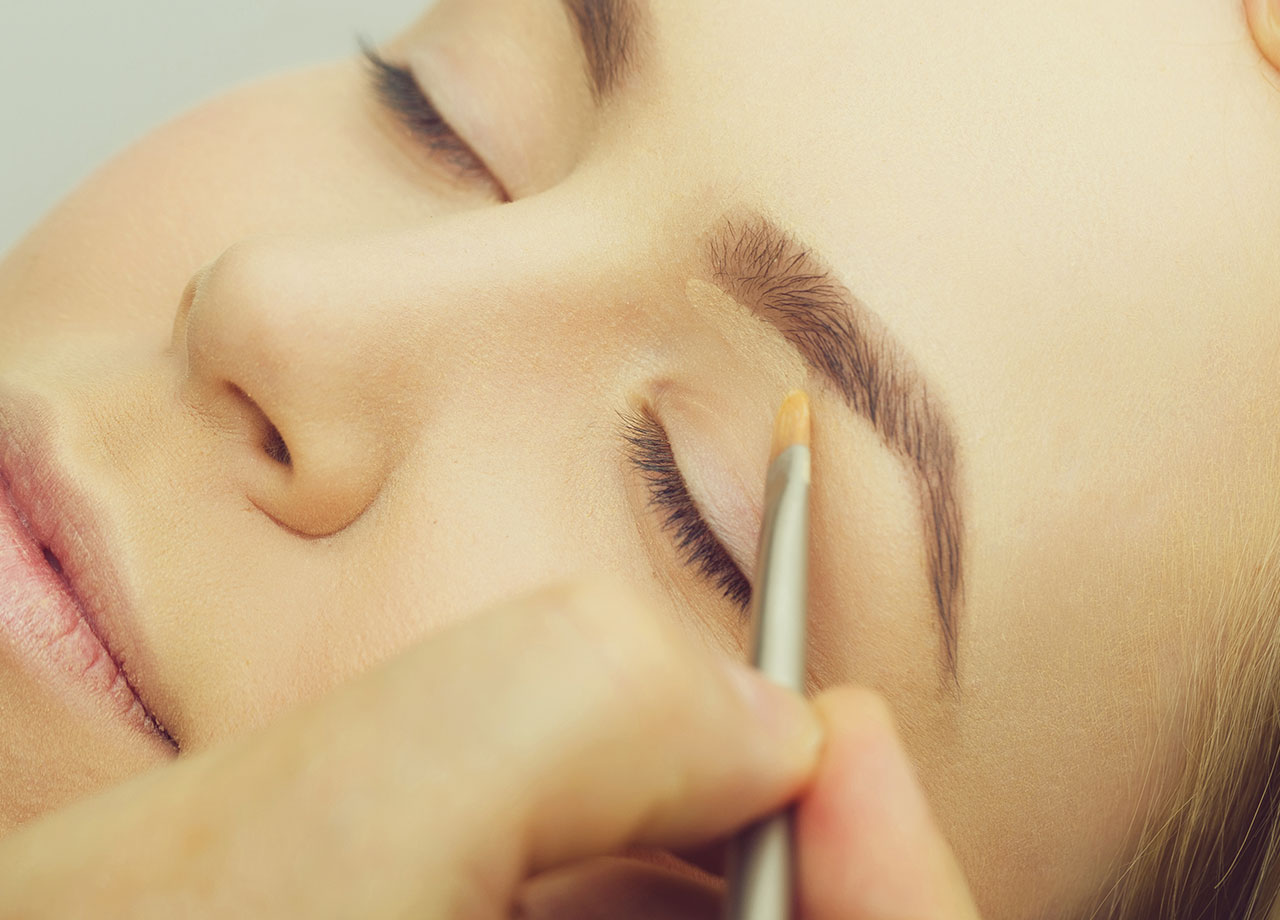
62,517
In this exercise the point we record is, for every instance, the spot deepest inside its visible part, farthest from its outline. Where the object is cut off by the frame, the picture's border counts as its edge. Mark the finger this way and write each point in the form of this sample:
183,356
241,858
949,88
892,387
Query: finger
577,722
707,857
704,862
1264,23
615,888
868,846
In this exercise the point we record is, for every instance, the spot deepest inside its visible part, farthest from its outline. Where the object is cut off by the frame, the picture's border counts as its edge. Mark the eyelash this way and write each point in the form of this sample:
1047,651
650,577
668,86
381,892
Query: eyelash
649,449
398,91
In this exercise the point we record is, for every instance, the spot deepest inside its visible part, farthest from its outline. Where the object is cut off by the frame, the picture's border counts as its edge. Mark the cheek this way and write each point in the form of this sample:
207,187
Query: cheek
508,488
515,484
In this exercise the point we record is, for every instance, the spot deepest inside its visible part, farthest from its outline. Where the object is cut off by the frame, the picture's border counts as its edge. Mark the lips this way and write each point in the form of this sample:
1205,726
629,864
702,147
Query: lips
63,610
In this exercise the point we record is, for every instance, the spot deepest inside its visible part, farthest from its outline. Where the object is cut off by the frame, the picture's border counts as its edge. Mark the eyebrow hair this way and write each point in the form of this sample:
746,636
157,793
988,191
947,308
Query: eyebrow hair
607,30
784,283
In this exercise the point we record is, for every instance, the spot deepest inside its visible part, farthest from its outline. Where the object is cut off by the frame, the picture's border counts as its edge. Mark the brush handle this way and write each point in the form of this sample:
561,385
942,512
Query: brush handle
758,866
759,860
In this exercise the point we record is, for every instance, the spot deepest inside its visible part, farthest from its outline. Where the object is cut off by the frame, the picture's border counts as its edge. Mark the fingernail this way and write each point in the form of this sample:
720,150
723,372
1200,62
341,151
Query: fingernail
780,713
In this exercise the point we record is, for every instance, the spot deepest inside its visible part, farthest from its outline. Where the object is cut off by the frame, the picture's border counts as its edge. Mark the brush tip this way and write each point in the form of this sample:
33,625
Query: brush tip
792,424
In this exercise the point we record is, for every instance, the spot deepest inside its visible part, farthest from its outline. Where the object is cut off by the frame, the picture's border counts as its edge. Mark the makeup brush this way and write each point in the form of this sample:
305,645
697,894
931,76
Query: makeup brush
759,862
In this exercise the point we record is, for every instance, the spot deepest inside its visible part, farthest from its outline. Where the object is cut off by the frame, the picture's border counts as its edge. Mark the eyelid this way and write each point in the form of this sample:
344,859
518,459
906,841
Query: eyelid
398,90
712,463
720,499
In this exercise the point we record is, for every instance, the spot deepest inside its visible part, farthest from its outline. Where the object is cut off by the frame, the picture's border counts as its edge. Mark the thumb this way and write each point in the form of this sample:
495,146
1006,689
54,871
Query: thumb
868,846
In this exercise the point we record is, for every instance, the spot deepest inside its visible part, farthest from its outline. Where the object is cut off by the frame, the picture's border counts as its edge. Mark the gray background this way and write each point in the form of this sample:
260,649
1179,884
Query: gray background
80,79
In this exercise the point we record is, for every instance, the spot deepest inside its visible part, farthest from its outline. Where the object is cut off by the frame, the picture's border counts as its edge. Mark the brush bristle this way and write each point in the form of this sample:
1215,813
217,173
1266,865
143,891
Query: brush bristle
792,425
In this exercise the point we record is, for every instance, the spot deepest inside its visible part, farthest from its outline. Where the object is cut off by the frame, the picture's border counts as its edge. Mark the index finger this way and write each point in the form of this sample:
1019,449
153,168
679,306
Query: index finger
578,721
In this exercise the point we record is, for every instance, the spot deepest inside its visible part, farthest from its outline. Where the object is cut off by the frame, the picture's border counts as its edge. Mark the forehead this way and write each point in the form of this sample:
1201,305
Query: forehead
870,108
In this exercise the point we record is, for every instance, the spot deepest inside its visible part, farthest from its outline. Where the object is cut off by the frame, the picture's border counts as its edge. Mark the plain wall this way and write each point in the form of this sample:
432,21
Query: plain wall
81,79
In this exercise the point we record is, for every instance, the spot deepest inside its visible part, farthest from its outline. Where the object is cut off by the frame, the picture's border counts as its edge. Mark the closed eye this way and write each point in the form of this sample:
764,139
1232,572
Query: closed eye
397,90
649,450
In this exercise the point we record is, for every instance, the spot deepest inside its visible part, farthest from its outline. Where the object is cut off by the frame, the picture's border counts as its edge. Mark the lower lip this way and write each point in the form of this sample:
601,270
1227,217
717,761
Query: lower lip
43,623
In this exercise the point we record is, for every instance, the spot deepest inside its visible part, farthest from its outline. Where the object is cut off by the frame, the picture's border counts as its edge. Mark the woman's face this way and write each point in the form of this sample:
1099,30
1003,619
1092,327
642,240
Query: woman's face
1025,262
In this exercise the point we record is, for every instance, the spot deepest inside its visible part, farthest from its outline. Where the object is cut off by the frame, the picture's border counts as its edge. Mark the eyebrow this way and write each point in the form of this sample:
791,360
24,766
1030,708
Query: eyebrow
607,30
784,282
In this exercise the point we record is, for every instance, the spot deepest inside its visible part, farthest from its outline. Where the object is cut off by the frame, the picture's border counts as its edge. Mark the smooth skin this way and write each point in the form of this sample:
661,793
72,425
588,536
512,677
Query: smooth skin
1066,213
618,732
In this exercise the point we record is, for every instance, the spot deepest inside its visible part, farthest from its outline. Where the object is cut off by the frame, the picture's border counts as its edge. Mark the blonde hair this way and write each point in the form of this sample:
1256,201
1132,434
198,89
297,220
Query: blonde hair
1211,848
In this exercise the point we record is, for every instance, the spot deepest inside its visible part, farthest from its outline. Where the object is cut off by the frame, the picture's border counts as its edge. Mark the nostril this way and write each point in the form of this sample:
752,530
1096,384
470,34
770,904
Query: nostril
49,557
272,442
275,447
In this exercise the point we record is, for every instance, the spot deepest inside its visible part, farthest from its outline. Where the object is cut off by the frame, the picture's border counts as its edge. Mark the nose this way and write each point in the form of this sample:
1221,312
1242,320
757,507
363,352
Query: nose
297,363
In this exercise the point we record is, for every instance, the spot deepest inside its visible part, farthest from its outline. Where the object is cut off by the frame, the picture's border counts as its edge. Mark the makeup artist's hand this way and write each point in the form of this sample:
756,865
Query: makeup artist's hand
554,728
867,846
527,739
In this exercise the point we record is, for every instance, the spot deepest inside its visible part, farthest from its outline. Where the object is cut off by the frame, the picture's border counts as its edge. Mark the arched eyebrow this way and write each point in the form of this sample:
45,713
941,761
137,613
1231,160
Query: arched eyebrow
608,31
782,281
